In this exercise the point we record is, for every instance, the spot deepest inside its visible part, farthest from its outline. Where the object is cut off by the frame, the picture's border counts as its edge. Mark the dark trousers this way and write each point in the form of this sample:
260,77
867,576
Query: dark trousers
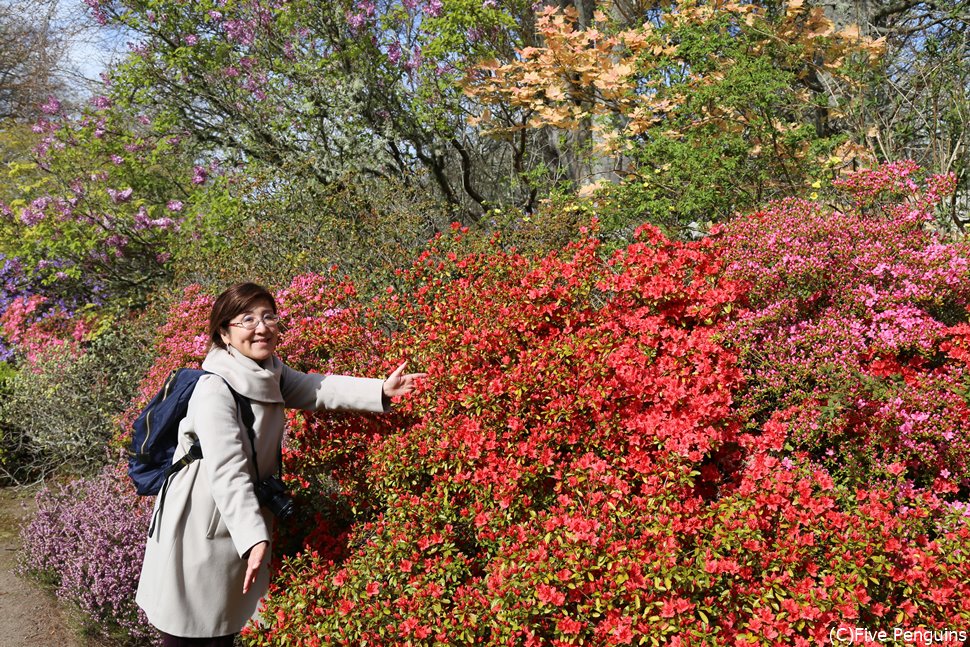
175,641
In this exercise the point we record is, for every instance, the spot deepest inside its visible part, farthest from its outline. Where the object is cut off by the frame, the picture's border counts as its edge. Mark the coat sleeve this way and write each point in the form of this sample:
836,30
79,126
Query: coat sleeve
227,463
312,391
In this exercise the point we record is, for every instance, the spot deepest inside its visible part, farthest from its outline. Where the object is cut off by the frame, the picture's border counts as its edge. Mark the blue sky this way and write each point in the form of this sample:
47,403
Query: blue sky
94,47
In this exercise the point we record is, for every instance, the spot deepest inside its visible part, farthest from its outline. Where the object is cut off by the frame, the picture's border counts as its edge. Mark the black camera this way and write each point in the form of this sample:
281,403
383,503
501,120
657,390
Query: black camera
272,493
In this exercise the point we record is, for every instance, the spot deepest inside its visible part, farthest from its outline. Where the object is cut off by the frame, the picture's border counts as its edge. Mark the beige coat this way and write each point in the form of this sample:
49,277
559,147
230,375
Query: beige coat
192,575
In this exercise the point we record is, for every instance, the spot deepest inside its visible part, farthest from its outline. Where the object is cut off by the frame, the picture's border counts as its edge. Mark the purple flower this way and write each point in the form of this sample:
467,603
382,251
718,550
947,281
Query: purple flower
51,107
174,205
31,217
414,61
394,53
356,21
117,159
99,14
191,40
116,241
434,8
119,197
87,538
144,221
199,175
240,31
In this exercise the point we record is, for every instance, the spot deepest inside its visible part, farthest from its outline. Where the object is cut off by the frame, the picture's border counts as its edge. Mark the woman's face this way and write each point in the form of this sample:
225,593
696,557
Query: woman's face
257,344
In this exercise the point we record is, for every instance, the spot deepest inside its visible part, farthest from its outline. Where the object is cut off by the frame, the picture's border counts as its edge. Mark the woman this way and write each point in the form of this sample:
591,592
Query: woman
205,562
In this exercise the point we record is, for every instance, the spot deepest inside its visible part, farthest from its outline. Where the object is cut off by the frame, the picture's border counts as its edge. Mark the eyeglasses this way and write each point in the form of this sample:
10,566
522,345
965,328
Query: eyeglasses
249,322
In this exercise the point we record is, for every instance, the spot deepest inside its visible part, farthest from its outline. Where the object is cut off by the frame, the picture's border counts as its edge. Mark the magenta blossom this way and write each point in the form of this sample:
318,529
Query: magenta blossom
122,196
51,107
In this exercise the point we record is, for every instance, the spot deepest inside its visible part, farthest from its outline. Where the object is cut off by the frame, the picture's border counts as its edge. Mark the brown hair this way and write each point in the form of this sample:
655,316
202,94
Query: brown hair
238,298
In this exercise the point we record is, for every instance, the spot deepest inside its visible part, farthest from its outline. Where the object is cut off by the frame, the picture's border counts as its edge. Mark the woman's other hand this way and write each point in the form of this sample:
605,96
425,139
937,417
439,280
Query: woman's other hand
257,555
399,383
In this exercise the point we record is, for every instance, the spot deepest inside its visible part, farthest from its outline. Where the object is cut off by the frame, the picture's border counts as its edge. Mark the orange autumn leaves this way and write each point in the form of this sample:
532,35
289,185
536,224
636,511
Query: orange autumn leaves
577,74
621,81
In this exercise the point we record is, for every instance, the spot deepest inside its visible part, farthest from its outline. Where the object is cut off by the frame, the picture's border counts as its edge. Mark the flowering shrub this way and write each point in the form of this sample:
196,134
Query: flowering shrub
41,428
37,328
12,285
60,412
327,330
849,317
87,541
590,463
182,340
558,406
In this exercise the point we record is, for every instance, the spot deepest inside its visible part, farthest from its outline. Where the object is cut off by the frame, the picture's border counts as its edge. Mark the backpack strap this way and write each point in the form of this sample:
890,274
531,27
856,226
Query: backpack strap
195,451
194,454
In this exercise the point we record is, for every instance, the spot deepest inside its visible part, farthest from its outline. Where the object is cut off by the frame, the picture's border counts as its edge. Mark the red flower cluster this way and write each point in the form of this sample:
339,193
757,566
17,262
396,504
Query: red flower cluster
566,396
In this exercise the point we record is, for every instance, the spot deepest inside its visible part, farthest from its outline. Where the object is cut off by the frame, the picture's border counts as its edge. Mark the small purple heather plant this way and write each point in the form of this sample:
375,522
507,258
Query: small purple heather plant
86,542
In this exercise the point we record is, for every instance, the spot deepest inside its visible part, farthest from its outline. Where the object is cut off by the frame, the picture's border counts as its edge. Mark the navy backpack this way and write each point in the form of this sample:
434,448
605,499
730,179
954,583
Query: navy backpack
156,433
156,430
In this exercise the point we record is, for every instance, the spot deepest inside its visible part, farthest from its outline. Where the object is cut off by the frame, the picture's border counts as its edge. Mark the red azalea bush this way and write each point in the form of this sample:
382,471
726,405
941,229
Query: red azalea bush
569,399
328,330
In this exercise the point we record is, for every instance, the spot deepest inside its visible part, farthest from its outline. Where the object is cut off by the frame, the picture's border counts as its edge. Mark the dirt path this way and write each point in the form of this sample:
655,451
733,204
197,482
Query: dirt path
28,616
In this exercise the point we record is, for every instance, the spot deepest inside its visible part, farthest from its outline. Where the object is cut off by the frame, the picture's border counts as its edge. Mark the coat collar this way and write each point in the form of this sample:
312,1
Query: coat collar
257,381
